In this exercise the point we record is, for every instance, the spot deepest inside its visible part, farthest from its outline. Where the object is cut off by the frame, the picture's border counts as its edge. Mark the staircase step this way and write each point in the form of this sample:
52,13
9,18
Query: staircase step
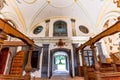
61,78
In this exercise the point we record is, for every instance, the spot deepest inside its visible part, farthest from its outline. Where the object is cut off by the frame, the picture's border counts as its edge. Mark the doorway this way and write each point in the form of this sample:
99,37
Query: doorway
60,62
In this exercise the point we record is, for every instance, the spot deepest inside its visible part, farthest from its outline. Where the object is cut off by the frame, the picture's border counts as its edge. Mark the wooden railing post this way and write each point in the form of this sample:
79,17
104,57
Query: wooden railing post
28,66
96,64
3,36
84,65
114,66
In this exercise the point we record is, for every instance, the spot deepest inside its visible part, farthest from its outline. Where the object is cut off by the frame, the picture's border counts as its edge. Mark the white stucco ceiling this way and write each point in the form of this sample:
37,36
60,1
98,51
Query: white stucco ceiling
26,13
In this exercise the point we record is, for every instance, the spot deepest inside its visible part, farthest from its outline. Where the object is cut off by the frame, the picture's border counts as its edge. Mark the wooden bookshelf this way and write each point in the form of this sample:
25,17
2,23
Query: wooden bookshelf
17,64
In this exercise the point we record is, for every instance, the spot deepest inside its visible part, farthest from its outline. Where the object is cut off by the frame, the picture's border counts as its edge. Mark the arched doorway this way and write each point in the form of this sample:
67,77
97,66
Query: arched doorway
60,63
63,66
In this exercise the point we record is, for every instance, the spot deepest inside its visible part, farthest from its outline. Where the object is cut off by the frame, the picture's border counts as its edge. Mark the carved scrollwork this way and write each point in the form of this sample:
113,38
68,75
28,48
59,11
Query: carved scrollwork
118,3
2,2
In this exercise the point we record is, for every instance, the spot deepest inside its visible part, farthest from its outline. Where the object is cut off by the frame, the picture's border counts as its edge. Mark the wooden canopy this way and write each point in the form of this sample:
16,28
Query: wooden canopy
111,30
9,30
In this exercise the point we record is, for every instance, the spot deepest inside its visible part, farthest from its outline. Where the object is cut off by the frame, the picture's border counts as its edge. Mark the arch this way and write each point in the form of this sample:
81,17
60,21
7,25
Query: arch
107,16
60,28
60,63
52,53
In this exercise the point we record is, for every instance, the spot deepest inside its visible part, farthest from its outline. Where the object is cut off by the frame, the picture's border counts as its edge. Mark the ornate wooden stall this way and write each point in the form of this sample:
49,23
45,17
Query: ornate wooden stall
7,29
99,71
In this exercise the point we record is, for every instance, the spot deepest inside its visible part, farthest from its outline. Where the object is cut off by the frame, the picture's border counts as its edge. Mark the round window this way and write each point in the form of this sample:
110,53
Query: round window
83,29
37,29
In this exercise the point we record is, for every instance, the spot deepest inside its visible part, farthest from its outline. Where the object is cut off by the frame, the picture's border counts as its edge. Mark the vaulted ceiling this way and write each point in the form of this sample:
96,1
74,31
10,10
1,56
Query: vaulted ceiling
26,13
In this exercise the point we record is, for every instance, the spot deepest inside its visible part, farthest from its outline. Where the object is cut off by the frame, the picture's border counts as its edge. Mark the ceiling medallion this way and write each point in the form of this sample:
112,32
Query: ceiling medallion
60,43
29,2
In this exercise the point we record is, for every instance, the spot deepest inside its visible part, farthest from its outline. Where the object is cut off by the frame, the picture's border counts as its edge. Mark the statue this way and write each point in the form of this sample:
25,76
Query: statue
2,2
118,2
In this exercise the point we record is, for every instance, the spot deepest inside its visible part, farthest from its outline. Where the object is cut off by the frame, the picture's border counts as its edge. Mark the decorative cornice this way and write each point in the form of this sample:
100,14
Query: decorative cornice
56,39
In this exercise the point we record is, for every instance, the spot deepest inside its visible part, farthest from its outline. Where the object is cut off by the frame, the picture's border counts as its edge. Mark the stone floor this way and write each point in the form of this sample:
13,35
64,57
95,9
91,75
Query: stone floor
66,78
62,78
62,75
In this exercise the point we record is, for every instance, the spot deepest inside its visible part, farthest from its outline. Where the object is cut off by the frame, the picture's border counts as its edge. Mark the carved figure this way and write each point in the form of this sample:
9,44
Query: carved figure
118,2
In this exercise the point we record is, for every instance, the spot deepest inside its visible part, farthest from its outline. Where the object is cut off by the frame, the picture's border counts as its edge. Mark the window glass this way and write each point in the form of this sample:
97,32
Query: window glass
60,28
38,29
88,57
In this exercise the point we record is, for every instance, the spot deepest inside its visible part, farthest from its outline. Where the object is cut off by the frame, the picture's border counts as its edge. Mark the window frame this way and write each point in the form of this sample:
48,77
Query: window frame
89,54
63,26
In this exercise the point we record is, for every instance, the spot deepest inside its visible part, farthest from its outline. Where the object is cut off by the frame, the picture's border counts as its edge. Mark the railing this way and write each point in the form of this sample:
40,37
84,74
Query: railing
115,57
11,77
110,76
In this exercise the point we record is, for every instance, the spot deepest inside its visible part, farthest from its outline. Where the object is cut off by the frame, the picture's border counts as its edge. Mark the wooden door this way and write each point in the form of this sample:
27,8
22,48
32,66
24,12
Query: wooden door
3,58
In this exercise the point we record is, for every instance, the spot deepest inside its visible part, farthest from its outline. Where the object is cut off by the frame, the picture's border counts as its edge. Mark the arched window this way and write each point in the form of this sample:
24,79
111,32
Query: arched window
60,28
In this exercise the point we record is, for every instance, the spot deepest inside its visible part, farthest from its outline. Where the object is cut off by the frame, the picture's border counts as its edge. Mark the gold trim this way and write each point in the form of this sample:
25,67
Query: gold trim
31,29
18,13
31,2
71,4
44,19
101,15
38,13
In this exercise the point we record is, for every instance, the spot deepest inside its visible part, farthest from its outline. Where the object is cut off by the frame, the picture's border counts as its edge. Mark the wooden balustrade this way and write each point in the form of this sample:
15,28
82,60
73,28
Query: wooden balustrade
100,71
11,77
7,29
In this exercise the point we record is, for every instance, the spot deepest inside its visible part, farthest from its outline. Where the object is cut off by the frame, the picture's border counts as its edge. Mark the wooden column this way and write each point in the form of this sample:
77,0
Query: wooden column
28,66
113,63
96,64
84,65
3,37
114,66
